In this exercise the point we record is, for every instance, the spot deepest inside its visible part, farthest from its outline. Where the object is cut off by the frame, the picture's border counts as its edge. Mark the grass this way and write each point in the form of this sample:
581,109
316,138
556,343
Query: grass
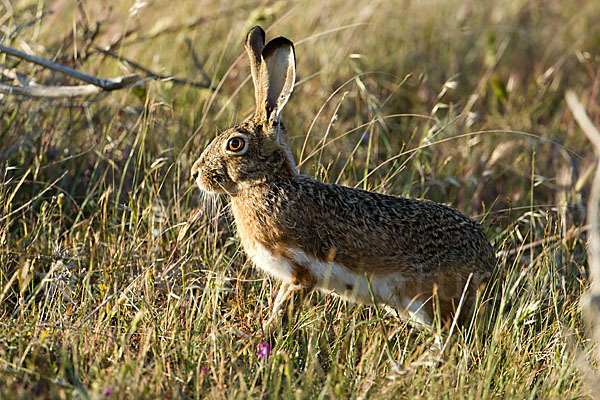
117,281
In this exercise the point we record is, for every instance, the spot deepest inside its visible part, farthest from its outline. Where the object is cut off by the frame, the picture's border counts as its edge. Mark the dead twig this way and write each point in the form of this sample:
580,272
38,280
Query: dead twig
197,62
152,75
14,75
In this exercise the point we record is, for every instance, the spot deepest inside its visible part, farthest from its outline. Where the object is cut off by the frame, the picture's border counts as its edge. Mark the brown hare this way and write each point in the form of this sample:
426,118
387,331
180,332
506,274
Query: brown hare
362,245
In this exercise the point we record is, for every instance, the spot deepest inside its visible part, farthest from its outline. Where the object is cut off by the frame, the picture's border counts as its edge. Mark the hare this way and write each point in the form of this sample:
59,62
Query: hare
415,256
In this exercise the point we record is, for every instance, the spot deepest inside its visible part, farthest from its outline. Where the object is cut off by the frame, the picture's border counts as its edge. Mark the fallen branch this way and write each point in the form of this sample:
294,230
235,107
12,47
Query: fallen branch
67,91
95,85
106,84
32,89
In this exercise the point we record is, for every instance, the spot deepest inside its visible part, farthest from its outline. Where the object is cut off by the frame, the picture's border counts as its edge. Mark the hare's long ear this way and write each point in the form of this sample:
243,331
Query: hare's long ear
255,43
277,75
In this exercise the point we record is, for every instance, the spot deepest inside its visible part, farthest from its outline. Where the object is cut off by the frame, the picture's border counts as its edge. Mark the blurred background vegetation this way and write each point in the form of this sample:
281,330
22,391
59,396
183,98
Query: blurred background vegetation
116,280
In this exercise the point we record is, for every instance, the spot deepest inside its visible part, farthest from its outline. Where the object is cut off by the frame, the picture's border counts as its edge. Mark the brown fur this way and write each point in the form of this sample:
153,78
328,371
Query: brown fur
431,244
435,247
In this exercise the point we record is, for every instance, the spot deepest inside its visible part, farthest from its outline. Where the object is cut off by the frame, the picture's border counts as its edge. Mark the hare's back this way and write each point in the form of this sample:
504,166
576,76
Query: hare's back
377,232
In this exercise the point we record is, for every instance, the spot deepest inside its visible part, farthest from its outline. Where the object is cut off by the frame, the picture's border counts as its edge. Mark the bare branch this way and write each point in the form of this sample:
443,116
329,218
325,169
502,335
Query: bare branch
96,85
50,91
54,92
106,84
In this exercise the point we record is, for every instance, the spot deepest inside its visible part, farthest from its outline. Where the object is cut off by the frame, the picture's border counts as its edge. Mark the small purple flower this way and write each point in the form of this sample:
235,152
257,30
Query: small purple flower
264,349
202,371
108,392
366,135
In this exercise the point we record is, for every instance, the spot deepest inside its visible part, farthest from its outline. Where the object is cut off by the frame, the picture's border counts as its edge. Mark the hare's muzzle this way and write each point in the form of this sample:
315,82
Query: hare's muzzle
195,170
211,180
196,175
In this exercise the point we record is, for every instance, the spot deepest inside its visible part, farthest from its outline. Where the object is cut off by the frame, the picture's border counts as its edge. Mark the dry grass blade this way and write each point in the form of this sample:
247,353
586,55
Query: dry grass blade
591,300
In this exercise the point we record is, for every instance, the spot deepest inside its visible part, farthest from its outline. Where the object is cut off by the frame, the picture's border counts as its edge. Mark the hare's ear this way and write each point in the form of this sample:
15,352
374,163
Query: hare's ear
277,75
255,43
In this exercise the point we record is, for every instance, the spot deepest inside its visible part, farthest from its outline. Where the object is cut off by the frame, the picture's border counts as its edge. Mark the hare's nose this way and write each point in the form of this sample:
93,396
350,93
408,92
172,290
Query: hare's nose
195,170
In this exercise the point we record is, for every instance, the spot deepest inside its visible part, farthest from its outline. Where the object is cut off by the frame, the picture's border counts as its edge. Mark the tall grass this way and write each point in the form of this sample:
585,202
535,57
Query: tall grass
117,280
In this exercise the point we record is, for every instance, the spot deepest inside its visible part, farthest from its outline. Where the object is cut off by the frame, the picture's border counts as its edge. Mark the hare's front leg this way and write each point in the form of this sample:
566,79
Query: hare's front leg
285,291
302,281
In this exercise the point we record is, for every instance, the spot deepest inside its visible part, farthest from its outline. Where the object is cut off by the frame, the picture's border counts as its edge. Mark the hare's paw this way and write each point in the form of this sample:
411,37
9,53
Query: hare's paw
285,292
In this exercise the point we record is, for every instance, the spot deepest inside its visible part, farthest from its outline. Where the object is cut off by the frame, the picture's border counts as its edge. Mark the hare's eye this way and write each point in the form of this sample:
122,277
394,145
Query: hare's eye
235,144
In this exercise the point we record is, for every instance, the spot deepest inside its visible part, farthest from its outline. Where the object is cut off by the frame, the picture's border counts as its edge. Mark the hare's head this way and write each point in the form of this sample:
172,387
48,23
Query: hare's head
255,150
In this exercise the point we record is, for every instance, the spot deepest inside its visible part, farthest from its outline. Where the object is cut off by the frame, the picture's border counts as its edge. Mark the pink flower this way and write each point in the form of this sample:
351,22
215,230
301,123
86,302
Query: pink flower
202,371
264,349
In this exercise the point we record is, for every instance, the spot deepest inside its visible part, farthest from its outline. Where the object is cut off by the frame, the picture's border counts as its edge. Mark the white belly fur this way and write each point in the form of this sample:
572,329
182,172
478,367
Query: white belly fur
275,266
334,277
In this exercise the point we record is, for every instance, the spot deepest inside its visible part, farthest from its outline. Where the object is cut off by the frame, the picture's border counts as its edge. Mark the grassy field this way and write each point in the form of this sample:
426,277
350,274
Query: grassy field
117,282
